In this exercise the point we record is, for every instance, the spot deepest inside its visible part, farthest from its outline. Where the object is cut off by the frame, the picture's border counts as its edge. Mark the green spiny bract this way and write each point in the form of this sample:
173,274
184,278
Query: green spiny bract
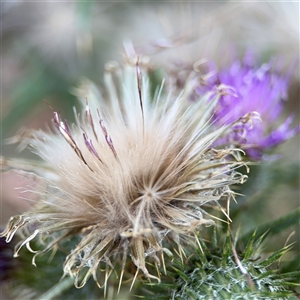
218,271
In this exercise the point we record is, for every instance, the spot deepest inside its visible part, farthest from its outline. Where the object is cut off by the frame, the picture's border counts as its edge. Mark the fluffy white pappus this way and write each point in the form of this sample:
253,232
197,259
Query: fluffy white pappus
130,179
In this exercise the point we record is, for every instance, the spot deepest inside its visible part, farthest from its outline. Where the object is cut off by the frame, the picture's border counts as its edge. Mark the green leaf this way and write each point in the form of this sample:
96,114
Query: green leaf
289,275
182,275
247,253
274,257
226,251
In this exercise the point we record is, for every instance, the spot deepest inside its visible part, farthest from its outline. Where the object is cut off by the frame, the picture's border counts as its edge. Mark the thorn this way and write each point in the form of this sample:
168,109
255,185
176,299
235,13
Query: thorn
136,273
181,252
285,244
105,284
157,270
241,267
139,84
120,282
198,242
163,263
48,104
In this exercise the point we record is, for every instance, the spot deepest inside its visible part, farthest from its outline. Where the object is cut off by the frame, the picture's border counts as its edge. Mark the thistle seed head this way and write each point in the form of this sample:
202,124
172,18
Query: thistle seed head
131,177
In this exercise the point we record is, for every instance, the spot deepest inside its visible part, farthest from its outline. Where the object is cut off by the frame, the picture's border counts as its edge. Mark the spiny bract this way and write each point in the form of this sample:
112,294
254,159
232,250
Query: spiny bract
131,177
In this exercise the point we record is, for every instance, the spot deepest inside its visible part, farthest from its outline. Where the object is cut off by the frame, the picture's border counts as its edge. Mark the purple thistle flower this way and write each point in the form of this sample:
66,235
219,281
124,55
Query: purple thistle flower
255,89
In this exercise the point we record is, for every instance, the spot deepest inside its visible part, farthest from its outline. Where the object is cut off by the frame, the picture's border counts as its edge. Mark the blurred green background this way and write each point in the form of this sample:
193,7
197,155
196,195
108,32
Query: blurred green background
47,47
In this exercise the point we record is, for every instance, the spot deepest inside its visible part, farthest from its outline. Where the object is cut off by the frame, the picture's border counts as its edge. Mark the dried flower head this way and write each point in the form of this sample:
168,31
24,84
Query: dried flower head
130,178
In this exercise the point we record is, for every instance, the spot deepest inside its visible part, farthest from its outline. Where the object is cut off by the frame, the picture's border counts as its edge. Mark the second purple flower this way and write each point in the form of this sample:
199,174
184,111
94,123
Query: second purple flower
253,89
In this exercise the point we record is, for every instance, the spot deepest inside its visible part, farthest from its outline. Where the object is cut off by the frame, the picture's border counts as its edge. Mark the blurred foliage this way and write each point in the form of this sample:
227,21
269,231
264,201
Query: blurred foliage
31,90
45,57
256,207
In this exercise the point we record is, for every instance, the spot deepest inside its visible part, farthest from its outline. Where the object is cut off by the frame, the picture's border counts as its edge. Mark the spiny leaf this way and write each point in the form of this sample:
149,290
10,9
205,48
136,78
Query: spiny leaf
182,274
259,241
269,274
154,297
192,294
285,283
274,257
215,238
248,252
289,275
163,285
226,251
202,253
220,277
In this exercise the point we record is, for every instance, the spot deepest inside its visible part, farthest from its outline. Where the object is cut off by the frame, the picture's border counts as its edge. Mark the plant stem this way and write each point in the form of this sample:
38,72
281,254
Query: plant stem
58,289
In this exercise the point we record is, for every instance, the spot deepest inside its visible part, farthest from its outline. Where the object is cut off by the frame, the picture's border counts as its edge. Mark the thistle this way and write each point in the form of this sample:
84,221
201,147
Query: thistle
130,180
253,88
220,271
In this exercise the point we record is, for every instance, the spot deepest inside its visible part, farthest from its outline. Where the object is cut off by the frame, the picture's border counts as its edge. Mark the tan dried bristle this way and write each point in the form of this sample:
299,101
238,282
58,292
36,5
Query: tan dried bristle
130,174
